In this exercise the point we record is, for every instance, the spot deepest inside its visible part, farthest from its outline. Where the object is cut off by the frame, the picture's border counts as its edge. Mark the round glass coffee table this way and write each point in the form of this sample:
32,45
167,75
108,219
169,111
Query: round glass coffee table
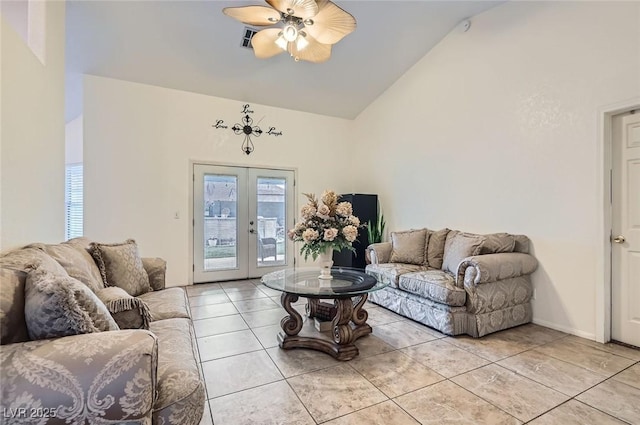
348,289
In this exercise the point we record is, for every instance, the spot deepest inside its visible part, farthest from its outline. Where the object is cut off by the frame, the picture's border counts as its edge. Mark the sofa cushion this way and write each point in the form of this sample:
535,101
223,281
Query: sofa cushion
390,272
496,243
436,285
180,388
129,312
435,247
409,247
57,306
169,303
26,258
459,246
77,262
120,265
13,328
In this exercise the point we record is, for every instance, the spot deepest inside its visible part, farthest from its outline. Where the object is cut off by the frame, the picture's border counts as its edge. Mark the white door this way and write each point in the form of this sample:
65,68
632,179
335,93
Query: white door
240,221
625,275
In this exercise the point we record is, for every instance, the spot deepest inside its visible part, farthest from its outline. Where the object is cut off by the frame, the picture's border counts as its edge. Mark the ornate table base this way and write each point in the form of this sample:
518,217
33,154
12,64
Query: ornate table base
348,324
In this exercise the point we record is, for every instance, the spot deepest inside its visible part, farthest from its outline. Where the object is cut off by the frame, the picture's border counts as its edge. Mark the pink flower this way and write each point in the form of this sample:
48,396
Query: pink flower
330,234
344,209
308,211
310,235
350,233
323,211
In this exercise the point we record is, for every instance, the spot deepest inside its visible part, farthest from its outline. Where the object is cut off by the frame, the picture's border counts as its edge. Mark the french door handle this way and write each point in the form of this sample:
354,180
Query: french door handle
618,239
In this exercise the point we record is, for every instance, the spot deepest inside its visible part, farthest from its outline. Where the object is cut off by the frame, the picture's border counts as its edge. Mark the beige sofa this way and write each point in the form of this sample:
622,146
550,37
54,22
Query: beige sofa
455,282
104,374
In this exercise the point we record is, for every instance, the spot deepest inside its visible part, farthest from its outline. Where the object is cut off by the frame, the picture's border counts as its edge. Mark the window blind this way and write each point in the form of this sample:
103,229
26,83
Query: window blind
73,201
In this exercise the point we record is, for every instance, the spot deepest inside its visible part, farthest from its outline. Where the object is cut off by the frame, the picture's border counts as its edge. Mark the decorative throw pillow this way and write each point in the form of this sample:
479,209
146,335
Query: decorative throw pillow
458,247
78,264
120,265
12,325
129,312
498,242
408,247
156,269
57,306
435,247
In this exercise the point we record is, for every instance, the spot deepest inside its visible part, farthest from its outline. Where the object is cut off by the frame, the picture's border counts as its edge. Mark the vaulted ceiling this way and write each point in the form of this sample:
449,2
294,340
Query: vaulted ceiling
193,46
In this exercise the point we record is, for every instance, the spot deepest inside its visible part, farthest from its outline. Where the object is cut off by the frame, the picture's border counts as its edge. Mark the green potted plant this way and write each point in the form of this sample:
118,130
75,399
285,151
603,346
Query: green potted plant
375,232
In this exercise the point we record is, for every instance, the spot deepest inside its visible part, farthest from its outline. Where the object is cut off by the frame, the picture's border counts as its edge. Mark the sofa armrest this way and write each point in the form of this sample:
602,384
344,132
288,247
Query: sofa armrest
379,253
156,268
92,378
493,267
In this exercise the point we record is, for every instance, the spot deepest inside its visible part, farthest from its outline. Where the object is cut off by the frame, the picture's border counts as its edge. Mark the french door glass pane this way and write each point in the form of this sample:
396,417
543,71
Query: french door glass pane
271,211
220,222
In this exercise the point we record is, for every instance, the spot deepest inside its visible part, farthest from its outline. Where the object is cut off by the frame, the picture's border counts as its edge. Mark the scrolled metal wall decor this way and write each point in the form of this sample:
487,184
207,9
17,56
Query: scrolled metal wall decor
246,128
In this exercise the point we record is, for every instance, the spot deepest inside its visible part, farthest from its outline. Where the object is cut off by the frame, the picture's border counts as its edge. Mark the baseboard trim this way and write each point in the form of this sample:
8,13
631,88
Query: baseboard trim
565,329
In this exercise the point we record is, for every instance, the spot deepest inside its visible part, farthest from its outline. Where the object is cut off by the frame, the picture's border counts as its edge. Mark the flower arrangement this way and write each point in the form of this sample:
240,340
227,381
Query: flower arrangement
325,224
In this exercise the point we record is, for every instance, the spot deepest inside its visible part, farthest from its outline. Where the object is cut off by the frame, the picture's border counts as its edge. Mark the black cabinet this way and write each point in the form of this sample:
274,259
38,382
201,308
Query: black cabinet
365,207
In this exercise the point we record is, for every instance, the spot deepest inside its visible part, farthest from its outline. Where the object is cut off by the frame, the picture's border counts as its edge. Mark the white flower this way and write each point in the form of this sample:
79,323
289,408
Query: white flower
323,212
310,235
330,234
350,233
344,209
354,220
308,211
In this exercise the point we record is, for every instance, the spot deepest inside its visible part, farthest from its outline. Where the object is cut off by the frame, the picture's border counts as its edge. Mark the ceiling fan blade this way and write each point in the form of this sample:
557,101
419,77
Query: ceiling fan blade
253,15
264,43
331,23
314,52
300,8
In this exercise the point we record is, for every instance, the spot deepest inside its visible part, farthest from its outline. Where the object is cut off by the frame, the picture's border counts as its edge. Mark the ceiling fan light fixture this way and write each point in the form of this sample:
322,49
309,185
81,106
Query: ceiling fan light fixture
306,29
290,32
302,42
281,42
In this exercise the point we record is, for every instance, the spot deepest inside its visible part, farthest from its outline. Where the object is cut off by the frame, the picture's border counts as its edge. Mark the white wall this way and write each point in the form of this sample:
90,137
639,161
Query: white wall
73,141
139,139
496,129
32,135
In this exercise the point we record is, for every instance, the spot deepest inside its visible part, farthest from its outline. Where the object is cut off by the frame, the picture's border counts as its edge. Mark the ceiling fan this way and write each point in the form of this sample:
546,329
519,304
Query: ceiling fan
306,29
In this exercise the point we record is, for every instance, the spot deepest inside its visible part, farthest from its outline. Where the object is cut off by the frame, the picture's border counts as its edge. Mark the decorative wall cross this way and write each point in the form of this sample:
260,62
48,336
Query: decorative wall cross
246,128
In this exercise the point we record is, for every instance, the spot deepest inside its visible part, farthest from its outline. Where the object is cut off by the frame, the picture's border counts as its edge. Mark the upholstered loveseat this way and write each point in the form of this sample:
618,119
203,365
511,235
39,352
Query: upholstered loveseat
77,351
455,282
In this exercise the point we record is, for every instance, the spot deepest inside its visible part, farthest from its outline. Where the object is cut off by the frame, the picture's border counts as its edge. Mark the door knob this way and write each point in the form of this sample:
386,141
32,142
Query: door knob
618,239
252,231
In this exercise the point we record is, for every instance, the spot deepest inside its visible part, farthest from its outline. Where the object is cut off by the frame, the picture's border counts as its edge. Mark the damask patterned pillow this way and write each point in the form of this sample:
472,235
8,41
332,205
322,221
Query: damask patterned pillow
120,265
458,247
78,264
409,247
129,312
57,306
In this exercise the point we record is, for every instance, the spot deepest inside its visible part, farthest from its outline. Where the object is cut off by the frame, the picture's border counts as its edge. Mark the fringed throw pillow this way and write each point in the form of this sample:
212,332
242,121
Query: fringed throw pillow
57,306
129,312
120,265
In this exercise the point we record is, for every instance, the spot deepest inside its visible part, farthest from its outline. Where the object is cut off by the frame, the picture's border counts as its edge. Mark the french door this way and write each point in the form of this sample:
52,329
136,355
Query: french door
240,221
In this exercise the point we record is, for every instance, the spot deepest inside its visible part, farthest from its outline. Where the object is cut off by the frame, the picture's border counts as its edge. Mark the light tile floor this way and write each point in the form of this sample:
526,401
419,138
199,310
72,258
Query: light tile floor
406,373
